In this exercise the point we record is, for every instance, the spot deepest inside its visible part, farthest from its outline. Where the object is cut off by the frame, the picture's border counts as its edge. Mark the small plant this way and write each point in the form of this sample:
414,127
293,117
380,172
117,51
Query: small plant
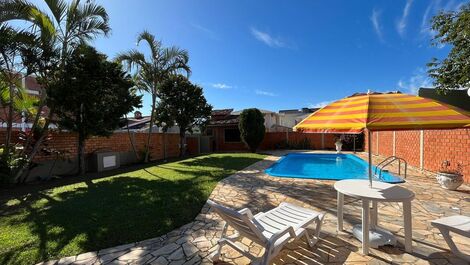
446,167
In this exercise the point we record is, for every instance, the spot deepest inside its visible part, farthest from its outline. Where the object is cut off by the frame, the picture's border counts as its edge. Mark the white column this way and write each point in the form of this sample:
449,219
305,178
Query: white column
421,149
408,225
365,226
339,225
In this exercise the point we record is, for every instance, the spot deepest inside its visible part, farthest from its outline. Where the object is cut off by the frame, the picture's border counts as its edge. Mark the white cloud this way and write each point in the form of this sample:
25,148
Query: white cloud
265,93
320,104
205,30
375,19
264,37
417,80
221,86
402,22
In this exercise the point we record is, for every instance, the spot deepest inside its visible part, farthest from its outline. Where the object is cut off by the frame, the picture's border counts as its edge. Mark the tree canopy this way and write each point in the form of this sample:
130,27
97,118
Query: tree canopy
452,28
92,94
183,104
252,128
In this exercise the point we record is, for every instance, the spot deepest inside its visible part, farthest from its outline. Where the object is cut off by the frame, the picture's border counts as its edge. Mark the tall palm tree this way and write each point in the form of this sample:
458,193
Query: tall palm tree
59,30
150,72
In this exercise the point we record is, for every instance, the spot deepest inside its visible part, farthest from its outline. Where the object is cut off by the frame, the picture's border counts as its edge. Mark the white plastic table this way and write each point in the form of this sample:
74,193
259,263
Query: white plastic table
380,192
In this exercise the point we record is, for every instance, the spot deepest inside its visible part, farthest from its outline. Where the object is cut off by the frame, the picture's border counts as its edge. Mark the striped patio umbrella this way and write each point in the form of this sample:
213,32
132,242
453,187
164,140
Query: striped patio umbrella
376,112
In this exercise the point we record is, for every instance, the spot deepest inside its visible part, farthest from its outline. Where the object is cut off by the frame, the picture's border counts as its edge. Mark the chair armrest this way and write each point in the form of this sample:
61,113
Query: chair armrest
247,212
281,233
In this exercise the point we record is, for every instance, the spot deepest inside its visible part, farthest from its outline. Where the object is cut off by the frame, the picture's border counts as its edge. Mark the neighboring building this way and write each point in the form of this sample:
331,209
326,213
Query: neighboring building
20,120
457,98
140,123
223,126
290,117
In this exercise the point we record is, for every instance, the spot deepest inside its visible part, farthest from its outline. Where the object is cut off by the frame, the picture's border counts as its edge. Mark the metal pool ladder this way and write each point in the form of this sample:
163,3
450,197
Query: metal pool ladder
387,161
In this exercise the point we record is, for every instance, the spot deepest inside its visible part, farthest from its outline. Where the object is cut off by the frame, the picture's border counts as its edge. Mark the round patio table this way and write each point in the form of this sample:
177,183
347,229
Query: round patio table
380,192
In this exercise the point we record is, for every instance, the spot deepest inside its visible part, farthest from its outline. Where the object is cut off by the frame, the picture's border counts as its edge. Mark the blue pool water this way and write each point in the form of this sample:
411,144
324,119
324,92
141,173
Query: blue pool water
325,166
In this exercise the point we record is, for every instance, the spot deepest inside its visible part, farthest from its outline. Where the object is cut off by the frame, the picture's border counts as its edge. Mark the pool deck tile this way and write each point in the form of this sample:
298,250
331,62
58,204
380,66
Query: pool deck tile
194,242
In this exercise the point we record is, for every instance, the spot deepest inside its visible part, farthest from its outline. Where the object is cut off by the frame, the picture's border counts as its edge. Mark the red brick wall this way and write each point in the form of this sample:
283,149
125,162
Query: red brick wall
386,150
272,139
451,145
438,145
407,146
118,142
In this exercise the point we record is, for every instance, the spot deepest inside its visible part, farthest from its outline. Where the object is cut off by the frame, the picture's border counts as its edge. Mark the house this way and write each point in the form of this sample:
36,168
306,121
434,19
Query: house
140,123
290,117
223,126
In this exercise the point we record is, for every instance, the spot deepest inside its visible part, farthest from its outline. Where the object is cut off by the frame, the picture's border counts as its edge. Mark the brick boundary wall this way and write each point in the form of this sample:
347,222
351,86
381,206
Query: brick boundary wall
118,142
425,149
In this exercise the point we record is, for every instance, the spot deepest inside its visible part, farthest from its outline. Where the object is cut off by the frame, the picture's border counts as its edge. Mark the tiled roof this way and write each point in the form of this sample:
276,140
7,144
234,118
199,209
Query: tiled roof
221,112
231,120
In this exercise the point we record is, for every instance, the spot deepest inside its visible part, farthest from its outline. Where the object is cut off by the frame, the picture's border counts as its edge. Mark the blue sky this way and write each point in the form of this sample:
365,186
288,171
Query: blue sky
286,54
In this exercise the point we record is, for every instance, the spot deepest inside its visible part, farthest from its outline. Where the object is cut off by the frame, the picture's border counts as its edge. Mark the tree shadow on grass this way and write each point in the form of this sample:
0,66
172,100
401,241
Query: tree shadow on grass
227,162
109,213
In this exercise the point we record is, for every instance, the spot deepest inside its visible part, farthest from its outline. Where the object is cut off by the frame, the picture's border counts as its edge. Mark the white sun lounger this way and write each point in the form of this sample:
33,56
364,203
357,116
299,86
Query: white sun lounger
458,224
272,229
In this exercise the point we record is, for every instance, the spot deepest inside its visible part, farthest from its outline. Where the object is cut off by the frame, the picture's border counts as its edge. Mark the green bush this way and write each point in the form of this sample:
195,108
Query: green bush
252,128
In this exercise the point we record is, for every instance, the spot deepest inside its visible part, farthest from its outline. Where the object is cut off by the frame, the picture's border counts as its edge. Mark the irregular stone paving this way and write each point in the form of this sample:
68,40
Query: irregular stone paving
194,242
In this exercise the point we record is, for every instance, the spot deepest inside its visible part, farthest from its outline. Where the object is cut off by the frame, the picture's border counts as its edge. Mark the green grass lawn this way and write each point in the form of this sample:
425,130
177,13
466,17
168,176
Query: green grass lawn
110,211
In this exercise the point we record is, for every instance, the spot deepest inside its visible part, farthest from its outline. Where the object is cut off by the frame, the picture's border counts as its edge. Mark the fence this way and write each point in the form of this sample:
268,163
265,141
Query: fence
426,149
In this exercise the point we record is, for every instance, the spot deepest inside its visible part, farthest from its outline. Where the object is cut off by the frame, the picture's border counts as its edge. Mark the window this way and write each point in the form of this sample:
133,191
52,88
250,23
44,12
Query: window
232,135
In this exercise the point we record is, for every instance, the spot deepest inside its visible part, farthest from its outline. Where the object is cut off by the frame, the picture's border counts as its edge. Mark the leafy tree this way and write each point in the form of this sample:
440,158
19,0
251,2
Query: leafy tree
98,94
452,28
252,128
13,97
58,30
183,104
150,72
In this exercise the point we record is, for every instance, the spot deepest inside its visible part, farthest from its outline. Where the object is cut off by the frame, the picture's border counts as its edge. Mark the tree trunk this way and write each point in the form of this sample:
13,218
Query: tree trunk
21,174
182,143
6,151
131,140
164,146
152,117
81,155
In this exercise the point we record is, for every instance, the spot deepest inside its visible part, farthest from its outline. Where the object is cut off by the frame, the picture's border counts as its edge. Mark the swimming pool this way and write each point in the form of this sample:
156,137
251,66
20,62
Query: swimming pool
325,166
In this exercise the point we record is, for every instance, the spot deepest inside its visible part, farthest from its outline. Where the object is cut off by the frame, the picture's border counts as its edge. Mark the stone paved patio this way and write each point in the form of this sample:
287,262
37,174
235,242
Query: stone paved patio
194,242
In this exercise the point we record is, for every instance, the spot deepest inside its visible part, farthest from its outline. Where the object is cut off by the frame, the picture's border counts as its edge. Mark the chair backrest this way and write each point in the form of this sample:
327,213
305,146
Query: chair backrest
242,222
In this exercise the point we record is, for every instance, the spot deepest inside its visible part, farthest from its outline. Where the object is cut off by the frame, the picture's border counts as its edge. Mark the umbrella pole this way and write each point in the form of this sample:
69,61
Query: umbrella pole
369,145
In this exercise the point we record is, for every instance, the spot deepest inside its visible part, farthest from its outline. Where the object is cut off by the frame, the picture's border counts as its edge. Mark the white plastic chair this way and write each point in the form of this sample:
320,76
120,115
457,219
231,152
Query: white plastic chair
458,224
272,229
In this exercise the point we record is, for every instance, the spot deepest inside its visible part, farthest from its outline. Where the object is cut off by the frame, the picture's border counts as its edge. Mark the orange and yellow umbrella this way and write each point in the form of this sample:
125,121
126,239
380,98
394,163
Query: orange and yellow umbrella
393,111
376,112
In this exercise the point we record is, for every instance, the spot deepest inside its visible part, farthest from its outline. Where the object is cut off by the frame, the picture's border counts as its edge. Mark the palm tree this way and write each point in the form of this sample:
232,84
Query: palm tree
58,30
150,72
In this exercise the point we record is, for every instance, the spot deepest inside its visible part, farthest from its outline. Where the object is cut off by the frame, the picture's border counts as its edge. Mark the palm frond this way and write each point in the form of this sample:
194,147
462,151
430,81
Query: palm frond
175,60
93,20
155,45
58,9
132,58
26,11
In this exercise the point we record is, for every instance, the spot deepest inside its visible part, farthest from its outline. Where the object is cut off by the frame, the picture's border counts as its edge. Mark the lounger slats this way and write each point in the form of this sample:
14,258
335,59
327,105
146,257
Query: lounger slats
291,214
269,229
284,217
